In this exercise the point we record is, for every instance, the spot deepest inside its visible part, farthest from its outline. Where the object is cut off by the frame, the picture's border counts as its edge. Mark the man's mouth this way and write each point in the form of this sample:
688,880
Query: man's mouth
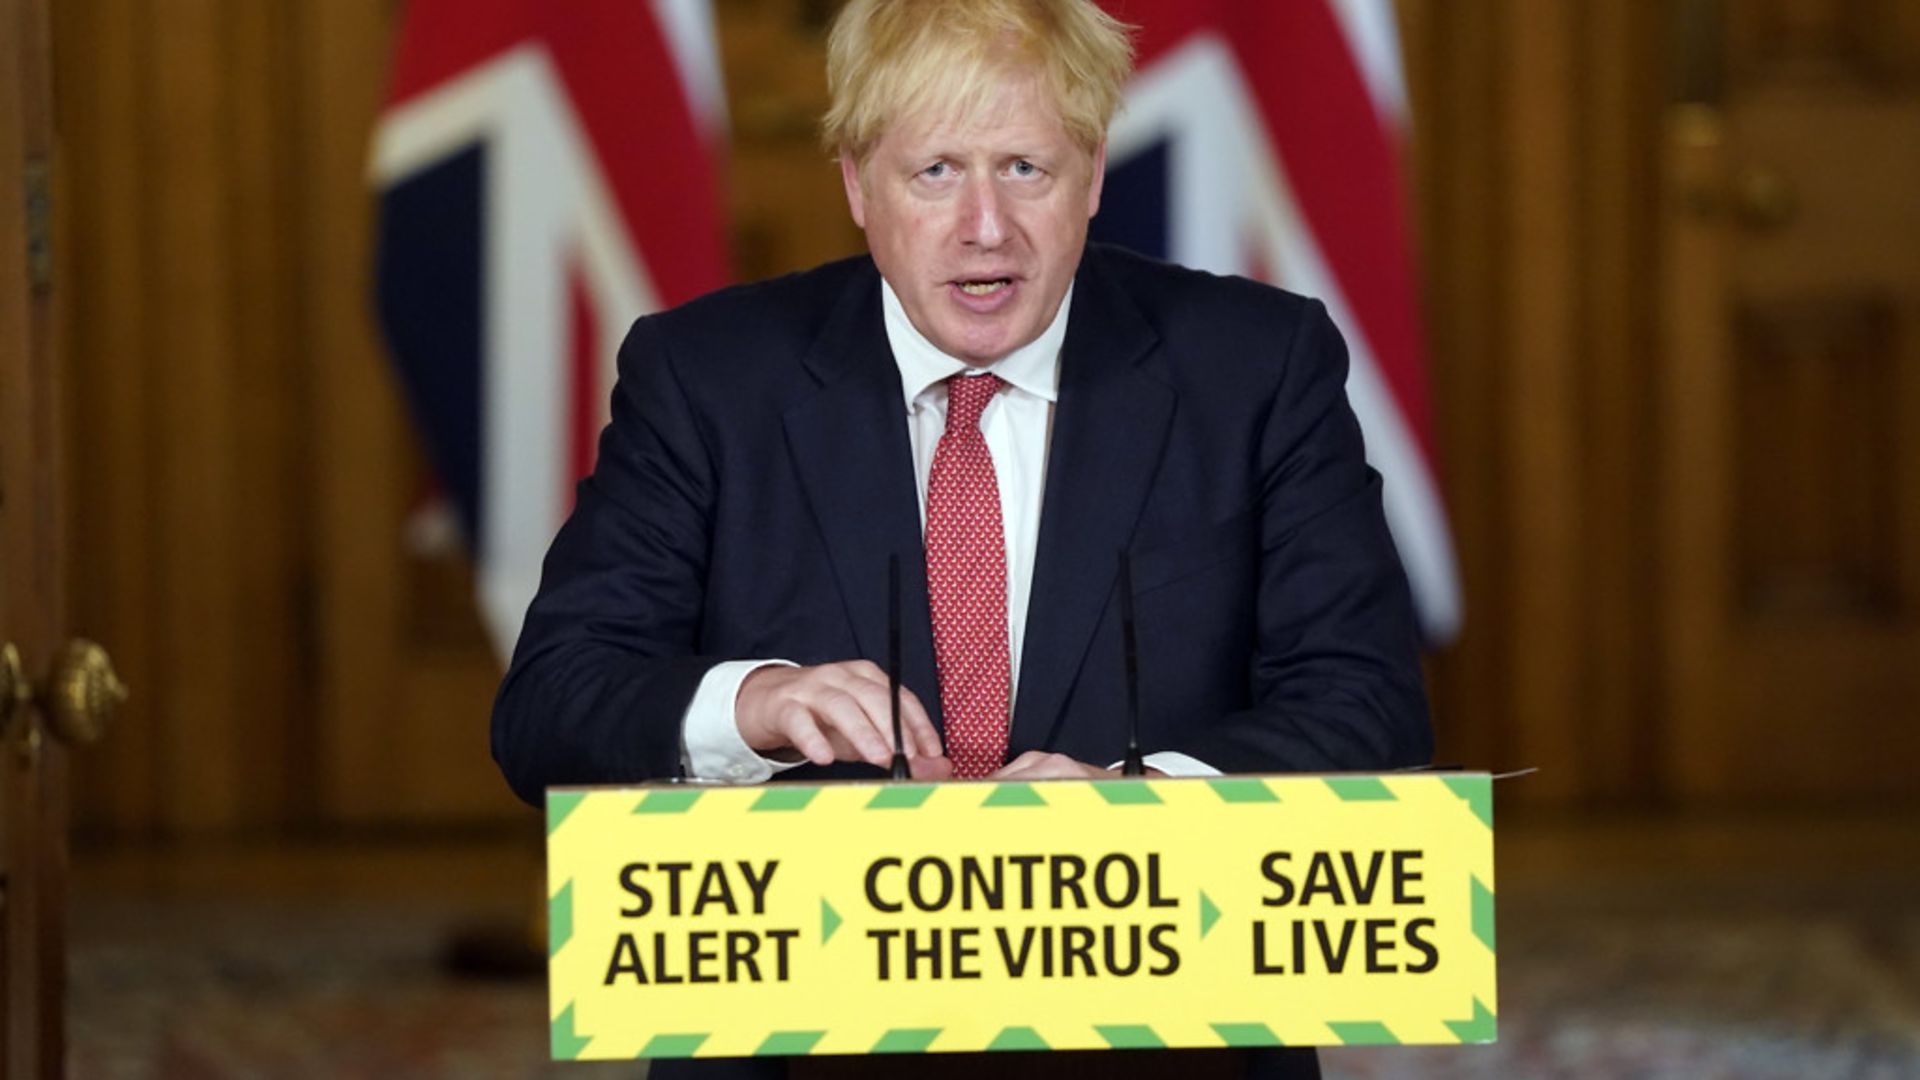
984,286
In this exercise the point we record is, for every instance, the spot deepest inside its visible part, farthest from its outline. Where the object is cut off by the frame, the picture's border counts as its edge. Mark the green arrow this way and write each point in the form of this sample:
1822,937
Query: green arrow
1247,1035
560,918
788,1043
1483,913
1480,1029
1363,1033
566,1043
559,805
1014,795
1130,1036
1208,913
676,1045
906,1040
829,921
1018,1038
1478,793
1360,789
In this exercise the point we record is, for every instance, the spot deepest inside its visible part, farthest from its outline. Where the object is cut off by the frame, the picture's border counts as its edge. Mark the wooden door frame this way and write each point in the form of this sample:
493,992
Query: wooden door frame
32,577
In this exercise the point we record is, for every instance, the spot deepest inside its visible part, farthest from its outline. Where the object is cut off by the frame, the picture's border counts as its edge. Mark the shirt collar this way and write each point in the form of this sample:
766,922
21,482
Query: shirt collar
1033,367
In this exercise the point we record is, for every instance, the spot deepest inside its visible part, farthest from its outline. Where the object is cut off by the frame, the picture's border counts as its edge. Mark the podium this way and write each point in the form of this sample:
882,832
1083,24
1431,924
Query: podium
1086,915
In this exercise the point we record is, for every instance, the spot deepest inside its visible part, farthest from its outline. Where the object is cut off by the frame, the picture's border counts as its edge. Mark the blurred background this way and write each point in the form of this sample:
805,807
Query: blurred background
1658,359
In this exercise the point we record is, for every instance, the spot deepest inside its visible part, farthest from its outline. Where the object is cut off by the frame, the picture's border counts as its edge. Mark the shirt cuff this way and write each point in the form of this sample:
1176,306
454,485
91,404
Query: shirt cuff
711,746
1174,763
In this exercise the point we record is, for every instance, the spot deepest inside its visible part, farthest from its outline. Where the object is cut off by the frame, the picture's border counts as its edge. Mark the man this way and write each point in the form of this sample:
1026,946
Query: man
1003,409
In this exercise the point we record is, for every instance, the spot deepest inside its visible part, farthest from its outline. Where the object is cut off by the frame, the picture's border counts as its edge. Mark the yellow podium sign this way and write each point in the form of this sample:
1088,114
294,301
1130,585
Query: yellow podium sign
880,918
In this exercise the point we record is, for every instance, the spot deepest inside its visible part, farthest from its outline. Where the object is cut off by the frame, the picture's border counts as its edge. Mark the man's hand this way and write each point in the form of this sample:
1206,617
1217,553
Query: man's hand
836,712
1040,765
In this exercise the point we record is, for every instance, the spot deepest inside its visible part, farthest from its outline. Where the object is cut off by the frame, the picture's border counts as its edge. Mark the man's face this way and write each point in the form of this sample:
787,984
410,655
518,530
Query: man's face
978,224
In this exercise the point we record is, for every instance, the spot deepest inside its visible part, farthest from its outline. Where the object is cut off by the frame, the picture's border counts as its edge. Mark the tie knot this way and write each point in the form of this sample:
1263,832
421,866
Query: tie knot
967,397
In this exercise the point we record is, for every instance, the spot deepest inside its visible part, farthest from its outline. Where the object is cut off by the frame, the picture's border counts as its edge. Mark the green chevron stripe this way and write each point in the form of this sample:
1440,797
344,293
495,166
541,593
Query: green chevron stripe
789,1043
566,1044
900,797
1018,1038
783,797
669,801
1247,1035
1360,789
1241,789
829,921
1208,913
1130,1036
1481,1029
1126,792
1483,914
670,1046
1478,791
906,1040
559,805
559,919
1014,795
1362,1033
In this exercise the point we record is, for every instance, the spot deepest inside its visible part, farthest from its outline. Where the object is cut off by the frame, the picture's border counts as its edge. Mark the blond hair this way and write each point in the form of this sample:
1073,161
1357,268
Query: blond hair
889,59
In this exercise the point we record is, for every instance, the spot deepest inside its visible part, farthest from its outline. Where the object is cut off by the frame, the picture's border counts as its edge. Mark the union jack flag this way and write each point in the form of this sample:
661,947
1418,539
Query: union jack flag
1262,137
546,174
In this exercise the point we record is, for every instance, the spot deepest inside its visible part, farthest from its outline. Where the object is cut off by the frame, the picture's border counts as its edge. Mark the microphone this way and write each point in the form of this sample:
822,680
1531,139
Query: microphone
900,769
1134,765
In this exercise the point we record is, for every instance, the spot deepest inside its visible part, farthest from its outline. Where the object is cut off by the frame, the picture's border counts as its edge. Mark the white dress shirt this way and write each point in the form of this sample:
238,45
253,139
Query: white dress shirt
1017,425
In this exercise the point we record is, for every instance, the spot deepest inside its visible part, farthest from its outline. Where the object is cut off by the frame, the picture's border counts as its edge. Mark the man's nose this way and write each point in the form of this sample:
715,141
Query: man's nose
981,221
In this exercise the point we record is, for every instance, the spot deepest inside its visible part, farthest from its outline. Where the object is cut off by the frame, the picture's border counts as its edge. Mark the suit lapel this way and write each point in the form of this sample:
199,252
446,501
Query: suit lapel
1109,426
849,444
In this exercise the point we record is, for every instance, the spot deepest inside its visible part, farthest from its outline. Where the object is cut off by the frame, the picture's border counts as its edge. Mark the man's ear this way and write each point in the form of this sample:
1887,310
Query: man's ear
850,178
1099,178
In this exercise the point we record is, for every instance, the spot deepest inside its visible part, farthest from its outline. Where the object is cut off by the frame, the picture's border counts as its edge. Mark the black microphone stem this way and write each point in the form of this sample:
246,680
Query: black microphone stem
1134,764
901,771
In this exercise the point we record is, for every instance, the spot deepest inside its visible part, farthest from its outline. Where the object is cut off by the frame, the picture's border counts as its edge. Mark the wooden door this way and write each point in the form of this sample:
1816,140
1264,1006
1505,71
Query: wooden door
32,767
1792,404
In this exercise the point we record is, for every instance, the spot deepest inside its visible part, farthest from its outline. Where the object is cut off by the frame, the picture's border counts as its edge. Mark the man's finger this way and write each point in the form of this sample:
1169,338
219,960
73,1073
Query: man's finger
797,724
914,720
1040,765
848,715
864,670
931,768
1021,765
866,681
875,700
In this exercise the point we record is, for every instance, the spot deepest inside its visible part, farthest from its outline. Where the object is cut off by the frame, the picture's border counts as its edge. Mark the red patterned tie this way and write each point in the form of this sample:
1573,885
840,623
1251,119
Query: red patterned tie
967,583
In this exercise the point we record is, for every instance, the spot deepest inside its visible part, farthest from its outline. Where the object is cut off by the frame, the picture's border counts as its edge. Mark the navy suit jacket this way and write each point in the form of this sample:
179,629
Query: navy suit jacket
757,474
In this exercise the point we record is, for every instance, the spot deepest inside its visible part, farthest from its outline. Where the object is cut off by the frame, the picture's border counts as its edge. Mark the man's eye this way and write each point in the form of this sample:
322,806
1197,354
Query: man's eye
1023,167
936,170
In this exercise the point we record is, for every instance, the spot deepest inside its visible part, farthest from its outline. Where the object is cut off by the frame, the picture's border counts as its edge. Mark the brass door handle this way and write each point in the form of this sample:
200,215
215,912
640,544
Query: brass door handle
77,697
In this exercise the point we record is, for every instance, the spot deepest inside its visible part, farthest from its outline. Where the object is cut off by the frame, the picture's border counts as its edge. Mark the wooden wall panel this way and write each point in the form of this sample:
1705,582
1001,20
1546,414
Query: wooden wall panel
105,259
785,204
1540,401
358,423
1536,127
186,167
1454,83
1620,57
1696,433
269,373
192,330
